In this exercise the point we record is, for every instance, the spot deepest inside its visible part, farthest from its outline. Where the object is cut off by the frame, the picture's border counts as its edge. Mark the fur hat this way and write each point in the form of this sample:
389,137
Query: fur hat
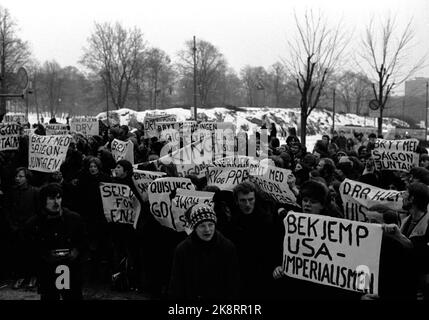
315,190
200,213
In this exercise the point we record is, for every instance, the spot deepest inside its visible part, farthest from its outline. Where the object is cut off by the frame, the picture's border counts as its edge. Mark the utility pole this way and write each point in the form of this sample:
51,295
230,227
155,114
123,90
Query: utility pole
195,79
333,112
107,107
426,120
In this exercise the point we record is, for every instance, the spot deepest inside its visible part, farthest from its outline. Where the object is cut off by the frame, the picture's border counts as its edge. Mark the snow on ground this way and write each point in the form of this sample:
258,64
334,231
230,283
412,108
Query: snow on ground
251,120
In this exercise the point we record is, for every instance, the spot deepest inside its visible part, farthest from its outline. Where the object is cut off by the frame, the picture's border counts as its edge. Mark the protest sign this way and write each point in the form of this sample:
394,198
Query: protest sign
273,182
395,154
86,126
358,198
159,192
150,123
191,159
184,200
56,129
15,117
119,203
9,136
334,252
122,150
142,179
47,153
226,178
172,130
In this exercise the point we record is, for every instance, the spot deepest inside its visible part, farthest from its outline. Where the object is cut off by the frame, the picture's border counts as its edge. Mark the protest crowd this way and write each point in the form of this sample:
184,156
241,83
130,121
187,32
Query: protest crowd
347,220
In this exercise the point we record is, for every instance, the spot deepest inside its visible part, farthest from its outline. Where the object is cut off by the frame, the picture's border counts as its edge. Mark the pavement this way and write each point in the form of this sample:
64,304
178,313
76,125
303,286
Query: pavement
90,292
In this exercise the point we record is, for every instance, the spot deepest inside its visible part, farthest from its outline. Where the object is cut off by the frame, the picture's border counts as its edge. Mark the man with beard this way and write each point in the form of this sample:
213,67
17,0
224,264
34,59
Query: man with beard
414,233
58,240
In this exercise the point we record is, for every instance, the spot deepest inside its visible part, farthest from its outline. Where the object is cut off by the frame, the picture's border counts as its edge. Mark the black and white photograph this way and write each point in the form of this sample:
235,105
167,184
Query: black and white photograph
214,156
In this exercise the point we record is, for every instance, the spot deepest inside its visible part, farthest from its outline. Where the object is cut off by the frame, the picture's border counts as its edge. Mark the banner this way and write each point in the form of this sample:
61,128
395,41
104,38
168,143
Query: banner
123,150
184,200
159,192
358,198
9,136
150,123
273,182
47,153
333,252
395,154
86,126
142,179
119,203
56,129
226,178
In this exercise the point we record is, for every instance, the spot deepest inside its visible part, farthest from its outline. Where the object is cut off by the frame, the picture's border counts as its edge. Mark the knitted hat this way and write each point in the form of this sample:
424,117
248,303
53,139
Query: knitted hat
199,213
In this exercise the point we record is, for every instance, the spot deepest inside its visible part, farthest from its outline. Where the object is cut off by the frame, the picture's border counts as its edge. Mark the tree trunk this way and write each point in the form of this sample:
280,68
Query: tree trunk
380,123
303,127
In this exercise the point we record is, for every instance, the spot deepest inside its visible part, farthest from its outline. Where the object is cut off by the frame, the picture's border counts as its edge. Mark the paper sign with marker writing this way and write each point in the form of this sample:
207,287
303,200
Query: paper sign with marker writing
122,150
151,120
333,252
184,200
86,126
56,129
9,136
226,178
273,182
119,203
396,155
358,198
142,179
159,192
47,153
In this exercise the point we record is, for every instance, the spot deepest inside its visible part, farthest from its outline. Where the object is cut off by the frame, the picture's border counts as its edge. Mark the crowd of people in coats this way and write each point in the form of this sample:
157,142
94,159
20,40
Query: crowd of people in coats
235,250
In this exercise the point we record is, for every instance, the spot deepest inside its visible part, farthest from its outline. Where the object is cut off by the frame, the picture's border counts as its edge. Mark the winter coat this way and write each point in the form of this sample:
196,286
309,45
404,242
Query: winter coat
253,236
20,205
205,270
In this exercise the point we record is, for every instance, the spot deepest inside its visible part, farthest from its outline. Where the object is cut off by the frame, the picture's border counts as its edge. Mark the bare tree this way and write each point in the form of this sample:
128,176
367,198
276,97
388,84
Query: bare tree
386,58
113,53
279,79
353,88
314,53
255,81
14,53
211,66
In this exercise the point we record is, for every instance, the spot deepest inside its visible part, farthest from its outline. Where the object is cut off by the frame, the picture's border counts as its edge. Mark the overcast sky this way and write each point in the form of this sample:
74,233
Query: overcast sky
245,31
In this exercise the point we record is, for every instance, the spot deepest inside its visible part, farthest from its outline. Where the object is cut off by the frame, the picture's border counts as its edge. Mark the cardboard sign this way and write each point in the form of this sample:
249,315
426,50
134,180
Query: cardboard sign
226,178
119,203
359,197
150,123
122,150
9,136
273,182
396,155
159,192
142,179
184,200
56,129
333,252
47,153
86,126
